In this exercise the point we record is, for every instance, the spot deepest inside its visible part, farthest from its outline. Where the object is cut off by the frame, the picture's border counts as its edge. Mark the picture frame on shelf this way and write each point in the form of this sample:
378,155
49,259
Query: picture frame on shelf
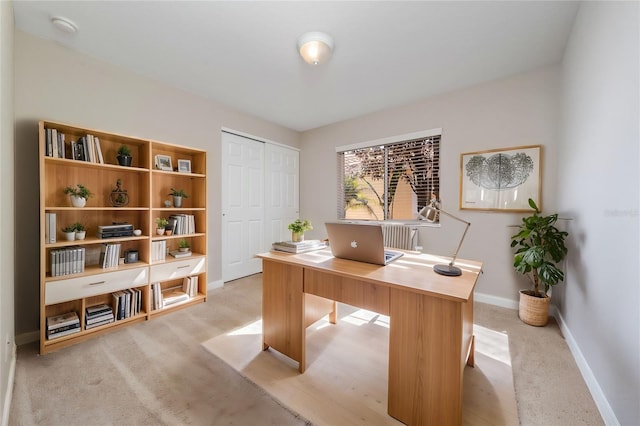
184,166
501,179
163,162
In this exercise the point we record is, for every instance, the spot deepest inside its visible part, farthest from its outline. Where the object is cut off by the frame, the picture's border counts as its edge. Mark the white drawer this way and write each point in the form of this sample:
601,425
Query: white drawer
92,285
179,269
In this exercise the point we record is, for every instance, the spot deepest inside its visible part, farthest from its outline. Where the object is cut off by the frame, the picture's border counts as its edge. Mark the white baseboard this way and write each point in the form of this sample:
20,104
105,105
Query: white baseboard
495,300
6,407
215,284
598,396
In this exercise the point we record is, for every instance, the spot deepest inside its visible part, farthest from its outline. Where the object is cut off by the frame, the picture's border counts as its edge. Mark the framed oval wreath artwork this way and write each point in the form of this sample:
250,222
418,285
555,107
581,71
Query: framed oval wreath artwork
501,179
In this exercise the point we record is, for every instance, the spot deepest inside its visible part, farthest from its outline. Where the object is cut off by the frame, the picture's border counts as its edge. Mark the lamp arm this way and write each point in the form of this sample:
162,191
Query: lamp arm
455,255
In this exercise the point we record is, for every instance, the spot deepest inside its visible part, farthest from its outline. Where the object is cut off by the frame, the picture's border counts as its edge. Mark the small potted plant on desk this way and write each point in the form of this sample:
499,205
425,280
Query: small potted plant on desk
539,248
78,194
178,195
161,224
298,228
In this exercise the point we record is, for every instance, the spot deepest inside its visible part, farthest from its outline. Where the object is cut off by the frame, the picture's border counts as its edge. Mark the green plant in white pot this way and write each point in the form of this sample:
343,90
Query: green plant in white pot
540,247
298,227
78,194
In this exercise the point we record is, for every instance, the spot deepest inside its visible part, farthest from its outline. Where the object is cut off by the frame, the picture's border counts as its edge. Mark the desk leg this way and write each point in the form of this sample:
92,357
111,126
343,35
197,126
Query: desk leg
426,359
283,310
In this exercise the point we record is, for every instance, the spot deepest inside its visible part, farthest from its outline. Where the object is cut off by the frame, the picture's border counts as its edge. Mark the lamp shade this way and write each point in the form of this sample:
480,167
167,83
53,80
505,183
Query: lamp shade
315,47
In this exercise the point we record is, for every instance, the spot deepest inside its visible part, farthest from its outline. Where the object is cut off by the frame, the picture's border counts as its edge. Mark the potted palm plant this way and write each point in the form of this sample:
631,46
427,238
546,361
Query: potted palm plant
69,232
298,228
540,247
78,194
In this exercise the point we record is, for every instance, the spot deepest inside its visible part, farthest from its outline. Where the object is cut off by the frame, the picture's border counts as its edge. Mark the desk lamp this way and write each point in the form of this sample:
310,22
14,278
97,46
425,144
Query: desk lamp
430,213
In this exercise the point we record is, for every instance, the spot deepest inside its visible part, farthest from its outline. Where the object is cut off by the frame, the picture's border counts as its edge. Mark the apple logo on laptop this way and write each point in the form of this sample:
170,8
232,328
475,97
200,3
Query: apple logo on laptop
354,244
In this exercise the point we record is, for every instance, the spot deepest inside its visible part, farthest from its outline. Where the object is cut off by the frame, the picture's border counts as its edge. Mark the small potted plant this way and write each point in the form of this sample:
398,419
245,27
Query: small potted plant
124,156
161,223
78,194
80,230
183,245
298,228
539,249
69,232
178,195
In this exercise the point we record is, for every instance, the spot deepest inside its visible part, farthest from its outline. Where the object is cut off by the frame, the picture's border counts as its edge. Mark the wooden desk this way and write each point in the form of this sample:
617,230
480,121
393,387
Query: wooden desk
431,330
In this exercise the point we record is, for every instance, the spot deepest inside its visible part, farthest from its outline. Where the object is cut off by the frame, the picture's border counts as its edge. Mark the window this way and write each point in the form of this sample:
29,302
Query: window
390,181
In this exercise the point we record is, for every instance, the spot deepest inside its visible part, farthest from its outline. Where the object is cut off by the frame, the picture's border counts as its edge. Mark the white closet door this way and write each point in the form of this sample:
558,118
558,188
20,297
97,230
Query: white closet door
282,169
243,210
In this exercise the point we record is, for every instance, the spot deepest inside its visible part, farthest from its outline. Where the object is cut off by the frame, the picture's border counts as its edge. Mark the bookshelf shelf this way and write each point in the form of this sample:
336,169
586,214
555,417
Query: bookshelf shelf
88,157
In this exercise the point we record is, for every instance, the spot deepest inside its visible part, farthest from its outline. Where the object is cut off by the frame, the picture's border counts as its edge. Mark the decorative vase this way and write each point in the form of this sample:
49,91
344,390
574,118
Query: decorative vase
80,235
70,236
160,231
533,310
125,160
297,237
177,201
78,201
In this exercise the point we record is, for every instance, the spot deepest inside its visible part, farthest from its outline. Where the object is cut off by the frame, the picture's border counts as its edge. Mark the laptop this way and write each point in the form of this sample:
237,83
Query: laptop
358,241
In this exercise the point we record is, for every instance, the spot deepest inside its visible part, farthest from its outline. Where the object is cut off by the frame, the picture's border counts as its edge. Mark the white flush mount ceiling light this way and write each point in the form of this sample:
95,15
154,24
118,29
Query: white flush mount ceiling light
315,47
63,24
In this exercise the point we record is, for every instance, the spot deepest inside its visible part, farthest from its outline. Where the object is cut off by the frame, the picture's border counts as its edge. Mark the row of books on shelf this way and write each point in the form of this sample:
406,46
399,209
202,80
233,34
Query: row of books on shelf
110,255
182,224
87,148
158,250
67,260
62,325
127,303
299,247
174,295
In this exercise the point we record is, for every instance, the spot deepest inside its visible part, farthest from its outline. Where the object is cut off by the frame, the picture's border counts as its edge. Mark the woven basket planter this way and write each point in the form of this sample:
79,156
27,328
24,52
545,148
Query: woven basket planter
534,310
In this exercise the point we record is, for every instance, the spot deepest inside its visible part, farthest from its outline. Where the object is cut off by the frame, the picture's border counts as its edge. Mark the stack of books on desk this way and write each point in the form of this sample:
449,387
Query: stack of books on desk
62,325
299,247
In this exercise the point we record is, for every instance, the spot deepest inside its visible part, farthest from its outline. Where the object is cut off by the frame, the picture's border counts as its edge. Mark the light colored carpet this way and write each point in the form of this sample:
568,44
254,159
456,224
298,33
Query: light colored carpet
158,372
345,382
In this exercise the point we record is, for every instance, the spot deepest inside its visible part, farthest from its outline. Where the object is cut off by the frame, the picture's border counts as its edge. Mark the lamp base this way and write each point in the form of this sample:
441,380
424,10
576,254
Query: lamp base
448,270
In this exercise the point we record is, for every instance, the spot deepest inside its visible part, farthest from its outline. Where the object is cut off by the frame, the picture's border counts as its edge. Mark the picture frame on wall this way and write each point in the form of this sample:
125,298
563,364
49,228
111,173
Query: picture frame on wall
501,179
163,162
184,166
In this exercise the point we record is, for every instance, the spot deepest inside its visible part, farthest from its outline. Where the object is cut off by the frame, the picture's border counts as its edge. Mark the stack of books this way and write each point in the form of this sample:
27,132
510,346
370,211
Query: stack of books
178,254
98,315
299,247
62,325
173,296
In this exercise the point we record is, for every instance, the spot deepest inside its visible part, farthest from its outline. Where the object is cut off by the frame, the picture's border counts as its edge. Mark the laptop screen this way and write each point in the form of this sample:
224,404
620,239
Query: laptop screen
359,241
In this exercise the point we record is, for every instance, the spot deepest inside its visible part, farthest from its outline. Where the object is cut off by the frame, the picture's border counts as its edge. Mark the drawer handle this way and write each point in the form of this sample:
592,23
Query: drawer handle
184,266
98,283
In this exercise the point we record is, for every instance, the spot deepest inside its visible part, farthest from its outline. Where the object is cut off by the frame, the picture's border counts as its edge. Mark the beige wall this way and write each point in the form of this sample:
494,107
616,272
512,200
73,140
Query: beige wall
55,83
7,212
522,110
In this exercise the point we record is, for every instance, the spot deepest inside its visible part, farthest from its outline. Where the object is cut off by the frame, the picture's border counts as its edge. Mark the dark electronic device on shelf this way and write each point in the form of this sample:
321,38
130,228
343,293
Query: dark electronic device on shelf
117,230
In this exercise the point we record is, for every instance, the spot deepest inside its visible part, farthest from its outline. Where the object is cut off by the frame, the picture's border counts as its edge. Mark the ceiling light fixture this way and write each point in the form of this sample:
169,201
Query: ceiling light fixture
64,24
315,47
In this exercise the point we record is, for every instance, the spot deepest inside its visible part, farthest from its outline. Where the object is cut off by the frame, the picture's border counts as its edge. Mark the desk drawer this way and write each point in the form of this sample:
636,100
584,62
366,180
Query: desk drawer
179,269
362,294
92,285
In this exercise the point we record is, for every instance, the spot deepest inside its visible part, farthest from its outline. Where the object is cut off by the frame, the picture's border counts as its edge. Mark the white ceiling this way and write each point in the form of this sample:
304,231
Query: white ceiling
243,54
